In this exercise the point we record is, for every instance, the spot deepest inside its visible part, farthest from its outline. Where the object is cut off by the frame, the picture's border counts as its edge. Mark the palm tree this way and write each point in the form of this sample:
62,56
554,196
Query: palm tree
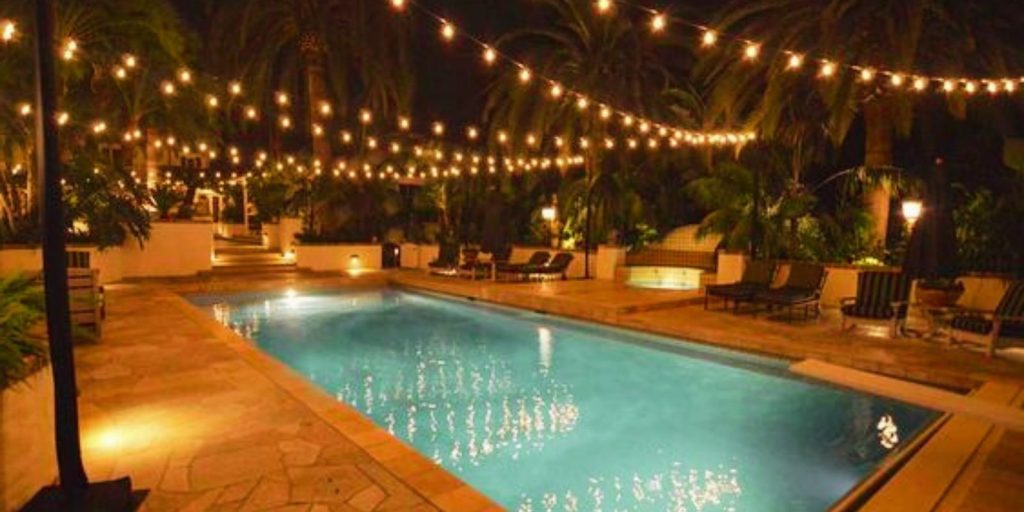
346,52
936,37
616,62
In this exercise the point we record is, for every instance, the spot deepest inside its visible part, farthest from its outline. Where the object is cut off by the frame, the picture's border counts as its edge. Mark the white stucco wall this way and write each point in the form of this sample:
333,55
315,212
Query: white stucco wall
287,228
338,258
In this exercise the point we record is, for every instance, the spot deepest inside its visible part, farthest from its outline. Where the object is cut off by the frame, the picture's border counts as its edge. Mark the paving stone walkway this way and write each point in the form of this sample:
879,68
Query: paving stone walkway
202,428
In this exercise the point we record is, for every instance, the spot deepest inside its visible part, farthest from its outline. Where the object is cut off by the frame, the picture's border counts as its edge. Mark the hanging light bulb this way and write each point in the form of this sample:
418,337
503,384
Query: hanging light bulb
212,101
168,88
365,116
25,109
867,75
658,22
251,113
897,79
502,137
346,137
992,87
325,109
285,122
828,69
971,87
525,75
99,127
283,99
120,73
709,38
8,30
185,76
398,5
556,90
1009,86
318,131
606,113
603,6
404,123
490,56
472,133
582,103
63,118
447,31
751,51
371,142
438,128
531,139
796,61
920,84
70,49
235,88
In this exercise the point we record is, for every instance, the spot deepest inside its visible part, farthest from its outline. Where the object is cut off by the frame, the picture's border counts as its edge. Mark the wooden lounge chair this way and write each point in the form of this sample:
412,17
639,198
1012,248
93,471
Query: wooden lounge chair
881,296
757,277
989,328
558,266
447,260
802,289
537,259
86,299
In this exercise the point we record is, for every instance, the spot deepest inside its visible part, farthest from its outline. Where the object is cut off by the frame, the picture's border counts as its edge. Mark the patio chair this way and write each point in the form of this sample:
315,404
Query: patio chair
558,266
537,259
802,289
470,257
447,260
989,328
486,268
757,278
88,308
881,296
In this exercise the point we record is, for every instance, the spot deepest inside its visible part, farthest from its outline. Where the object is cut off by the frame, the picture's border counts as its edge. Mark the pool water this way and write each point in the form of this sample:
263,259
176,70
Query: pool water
541,413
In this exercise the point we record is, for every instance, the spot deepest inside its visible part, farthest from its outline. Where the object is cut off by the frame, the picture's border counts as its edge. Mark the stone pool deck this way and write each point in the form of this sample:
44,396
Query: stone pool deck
204,421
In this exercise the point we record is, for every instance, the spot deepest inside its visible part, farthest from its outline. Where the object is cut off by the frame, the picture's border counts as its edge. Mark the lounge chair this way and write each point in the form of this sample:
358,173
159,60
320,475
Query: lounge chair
470,258
802,289
447,261
757,277
537,259
486,268
881,296
558,266
86,297
989,328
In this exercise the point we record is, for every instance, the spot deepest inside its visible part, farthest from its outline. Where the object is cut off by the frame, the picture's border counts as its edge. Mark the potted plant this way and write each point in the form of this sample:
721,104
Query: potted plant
931,256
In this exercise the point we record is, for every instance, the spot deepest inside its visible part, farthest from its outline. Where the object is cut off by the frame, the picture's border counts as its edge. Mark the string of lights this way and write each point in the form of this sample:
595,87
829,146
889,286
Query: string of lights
827,68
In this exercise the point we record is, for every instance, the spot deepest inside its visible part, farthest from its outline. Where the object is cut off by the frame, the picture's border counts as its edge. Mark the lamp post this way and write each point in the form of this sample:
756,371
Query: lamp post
912,210
550,214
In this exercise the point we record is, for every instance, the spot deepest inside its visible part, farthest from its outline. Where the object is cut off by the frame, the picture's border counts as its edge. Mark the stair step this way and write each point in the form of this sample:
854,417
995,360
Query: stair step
255,258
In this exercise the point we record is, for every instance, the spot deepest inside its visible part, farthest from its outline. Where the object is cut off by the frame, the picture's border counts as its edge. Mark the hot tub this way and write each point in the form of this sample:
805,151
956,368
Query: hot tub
664,278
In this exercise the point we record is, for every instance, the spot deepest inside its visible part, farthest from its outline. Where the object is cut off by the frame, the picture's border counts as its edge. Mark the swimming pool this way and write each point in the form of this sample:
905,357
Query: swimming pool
541,413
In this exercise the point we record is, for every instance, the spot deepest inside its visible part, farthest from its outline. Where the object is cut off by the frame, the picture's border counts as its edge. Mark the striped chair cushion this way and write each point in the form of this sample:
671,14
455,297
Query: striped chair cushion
1012,303
876,291
982,325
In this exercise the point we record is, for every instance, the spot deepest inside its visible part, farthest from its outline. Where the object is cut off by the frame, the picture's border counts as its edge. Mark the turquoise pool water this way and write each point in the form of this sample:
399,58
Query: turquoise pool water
546,414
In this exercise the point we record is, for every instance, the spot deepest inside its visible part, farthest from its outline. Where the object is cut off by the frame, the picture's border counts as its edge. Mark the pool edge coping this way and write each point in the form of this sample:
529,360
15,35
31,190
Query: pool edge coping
422,475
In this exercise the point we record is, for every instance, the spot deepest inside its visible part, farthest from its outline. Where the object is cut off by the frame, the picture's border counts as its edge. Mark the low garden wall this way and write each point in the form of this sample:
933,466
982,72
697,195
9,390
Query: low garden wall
338,257
174,249
27,454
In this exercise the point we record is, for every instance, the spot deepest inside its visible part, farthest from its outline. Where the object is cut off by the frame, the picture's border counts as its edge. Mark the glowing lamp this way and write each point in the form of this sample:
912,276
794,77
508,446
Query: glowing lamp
912,210
549,213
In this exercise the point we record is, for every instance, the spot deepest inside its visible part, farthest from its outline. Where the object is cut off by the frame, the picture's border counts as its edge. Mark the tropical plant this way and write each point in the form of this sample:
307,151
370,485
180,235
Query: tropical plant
165,197
986,229
106,201
22,350
938,37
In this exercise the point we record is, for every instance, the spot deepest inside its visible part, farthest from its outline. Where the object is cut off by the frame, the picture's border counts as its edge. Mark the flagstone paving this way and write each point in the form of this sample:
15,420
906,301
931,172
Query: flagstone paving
205,425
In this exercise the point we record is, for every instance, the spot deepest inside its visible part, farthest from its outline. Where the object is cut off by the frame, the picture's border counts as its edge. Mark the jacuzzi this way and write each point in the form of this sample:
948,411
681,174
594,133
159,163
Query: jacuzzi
664,278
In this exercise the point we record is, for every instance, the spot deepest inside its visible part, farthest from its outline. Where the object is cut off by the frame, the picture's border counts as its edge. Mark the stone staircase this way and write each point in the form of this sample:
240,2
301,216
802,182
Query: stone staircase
245,255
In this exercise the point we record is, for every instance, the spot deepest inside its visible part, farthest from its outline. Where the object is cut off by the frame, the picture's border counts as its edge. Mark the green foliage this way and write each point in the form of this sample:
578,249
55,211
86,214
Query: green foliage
107,200
165,197
22,307
988,230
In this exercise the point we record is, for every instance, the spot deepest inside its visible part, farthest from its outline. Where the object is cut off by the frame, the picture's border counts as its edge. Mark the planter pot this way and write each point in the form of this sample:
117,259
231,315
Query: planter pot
27,452
939,297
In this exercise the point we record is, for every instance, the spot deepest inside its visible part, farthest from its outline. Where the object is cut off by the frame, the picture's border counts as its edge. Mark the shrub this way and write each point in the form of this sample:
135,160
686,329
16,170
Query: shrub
22,307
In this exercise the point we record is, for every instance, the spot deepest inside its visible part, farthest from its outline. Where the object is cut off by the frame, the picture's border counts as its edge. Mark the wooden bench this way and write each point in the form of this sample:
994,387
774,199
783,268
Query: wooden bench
86,299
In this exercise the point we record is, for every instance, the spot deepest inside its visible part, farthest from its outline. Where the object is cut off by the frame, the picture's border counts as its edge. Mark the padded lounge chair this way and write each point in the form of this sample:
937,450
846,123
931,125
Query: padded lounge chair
537,259
757,277
447,261
487,268
470,258
558,266
881,296
802,289
989,328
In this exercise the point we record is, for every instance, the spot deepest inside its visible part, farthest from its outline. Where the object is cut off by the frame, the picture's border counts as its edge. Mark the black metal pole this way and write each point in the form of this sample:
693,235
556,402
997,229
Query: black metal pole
586,233
73,480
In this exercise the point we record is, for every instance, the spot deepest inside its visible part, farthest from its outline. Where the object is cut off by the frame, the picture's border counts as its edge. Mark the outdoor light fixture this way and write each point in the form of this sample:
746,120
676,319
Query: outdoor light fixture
912,210
709,38
549,213
490,55
8,30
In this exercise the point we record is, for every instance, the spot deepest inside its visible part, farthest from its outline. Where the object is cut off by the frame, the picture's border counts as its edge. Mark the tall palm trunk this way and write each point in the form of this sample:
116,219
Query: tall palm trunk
878,153
320,217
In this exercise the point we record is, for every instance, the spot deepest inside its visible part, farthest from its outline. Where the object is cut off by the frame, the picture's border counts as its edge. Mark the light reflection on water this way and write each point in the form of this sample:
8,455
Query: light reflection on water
542,417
